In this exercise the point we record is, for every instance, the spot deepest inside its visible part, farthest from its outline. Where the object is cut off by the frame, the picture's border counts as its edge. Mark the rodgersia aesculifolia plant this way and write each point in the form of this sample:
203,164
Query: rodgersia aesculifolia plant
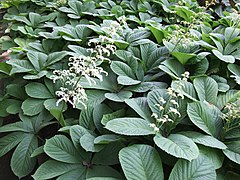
102,89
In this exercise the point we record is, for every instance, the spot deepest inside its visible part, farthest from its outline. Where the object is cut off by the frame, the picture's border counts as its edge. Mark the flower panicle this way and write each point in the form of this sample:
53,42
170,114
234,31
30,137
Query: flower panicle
82,66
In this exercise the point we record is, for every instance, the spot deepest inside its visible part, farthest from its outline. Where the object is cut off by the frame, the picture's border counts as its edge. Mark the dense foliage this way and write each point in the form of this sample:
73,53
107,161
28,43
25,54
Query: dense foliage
121,89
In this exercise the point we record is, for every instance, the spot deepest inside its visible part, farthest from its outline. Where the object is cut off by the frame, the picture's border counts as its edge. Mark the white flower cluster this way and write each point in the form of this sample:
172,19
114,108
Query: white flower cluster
231,116
82,66
169,107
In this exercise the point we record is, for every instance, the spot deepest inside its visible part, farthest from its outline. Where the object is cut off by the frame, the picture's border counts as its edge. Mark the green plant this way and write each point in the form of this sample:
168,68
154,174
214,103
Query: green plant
120,90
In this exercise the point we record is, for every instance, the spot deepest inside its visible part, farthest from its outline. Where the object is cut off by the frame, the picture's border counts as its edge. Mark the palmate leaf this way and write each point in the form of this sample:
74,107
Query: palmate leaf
129,126
22,163
141,162
62,149
177,145
198,169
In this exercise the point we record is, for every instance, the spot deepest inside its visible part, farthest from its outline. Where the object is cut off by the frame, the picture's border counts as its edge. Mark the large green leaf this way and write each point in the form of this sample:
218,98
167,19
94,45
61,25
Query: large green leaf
172,67
205,140
95,97
233,151
102,172
141,162
141,107
207,89
9,141
38,90
224,98
183,58
153,98
21,163
17,126
225,58
125,80
87,142
55,57
119,97
86,118
122,69
130,126
198,169
111,151
52,168
32,106
214,155
62,149
206,117
78,173
235,157
37,59
177,145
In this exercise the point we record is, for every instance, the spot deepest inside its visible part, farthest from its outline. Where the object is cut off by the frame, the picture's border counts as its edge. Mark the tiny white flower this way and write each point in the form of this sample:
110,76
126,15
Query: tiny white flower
152,125
175,111
174,102
162,100
154,115
156,129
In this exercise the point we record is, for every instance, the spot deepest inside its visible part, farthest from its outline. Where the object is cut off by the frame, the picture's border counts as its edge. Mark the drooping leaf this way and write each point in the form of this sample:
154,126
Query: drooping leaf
141,162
